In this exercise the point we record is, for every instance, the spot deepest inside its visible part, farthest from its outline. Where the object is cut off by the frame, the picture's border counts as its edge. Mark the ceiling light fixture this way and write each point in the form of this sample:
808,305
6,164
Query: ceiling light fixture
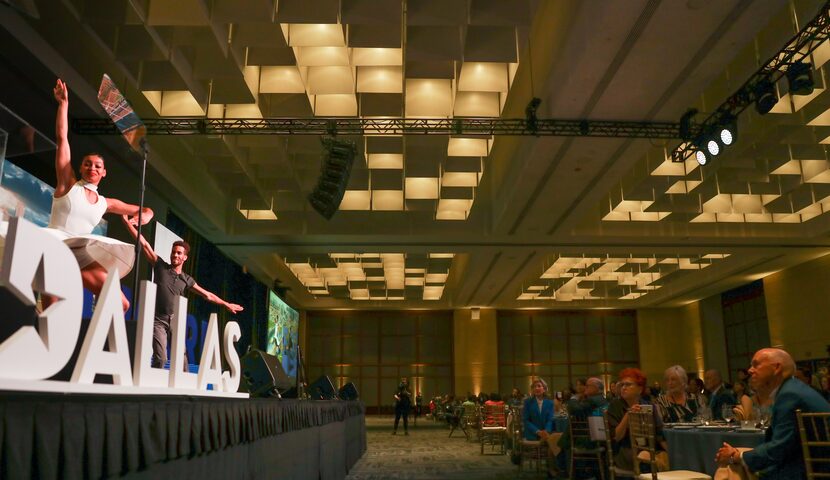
800,78
765,96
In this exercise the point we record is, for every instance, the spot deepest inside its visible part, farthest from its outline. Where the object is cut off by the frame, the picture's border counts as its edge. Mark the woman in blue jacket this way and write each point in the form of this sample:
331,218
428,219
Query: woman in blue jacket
537,413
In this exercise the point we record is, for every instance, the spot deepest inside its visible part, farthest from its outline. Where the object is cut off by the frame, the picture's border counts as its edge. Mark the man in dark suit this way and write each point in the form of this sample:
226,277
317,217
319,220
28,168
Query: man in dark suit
719,395
780,456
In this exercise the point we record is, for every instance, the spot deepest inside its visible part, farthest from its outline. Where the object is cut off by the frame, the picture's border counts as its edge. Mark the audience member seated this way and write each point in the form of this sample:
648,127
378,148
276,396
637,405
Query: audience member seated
612,391
743,402
780,456
677,404
579,390
695,387
632,384
537,417
516,397
594,403
825,387
805,374
719,395
493,401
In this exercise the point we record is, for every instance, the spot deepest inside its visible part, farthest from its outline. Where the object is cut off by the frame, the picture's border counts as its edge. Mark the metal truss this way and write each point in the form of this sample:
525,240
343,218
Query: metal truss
390,126
797,49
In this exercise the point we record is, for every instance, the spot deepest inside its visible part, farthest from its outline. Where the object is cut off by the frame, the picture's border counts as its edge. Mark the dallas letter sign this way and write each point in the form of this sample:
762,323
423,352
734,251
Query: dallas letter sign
33,259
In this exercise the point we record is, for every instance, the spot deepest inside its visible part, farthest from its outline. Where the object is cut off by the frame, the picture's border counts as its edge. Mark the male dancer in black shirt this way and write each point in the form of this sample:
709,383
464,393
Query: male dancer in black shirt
170,284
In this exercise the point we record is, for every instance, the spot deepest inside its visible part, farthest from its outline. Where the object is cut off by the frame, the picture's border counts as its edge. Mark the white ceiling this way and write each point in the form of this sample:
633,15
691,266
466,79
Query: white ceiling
537,199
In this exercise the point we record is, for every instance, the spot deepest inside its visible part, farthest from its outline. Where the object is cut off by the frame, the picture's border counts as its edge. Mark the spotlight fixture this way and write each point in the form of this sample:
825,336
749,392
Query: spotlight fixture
800,78
765,96
701,157
712,147
714,140
727,132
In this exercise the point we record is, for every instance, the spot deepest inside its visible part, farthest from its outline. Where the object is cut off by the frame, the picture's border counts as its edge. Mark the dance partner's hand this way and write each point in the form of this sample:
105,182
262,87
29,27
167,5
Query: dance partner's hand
234,308
543,435
60,92
146,216
725,454
635,408
132,222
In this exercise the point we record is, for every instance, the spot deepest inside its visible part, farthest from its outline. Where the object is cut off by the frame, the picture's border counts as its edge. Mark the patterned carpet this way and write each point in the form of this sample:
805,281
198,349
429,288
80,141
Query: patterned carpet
427,453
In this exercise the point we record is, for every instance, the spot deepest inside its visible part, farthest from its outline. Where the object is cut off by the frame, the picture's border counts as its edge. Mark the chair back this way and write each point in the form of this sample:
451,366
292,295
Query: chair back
814,429
470,412
580,429
642,434
494,416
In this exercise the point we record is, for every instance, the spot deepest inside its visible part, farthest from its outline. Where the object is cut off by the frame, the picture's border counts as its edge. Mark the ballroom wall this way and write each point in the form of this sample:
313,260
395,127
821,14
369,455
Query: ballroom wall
797,303
670,336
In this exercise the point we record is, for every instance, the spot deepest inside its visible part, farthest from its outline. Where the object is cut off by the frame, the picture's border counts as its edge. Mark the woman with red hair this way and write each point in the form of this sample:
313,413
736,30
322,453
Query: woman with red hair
632,384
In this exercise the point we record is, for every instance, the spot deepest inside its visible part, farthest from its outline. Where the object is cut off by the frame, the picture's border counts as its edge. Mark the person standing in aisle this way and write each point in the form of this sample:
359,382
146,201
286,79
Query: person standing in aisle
403,400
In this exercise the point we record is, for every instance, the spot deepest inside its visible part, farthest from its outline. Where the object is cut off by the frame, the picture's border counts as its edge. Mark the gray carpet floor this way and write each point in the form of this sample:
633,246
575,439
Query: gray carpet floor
427,453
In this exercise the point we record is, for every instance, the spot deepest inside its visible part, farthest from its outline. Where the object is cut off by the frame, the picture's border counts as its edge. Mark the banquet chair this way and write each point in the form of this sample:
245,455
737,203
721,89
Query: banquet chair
470,420
643,439
533,451
613,470
583,446
493,427
814,429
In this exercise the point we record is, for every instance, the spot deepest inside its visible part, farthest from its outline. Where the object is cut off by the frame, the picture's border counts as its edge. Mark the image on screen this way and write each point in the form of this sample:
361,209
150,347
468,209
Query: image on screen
21,193
283,333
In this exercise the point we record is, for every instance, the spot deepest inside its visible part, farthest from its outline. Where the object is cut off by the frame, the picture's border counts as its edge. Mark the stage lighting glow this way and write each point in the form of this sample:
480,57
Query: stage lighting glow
713,147
701,158
726,137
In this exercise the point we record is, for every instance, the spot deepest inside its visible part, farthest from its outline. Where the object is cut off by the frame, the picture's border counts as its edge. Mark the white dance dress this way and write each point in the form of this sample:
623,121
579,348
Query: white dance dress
72,221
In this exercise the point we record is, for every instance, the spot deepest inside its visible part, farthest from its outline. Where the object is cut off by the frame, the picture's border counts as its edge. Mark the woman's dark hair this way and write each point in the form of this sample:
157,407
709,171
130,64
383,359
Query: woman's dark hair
495,397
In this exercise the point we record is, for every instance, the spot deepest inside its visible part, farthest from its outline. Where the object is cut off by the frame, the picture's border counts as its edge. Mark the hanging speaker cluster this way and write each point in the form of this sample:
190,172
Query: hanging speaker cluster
334,176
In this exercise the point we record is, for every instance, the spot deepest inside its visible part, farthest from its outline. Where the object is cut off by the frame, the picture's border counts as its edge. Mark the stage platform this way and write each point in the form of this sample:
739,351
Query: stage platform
71,436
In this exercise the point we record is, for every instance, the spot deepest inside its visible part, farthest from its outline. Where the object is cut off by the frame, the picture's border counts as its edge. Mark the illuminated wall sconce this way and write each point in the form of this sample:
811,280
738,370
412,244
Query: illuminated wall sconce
475,313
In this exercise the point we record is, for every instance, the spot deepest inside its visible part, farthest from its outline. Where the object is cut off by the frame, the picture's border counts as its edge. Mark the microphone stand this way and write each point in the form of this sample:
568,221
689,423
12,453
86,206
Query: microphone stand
301,393
136,265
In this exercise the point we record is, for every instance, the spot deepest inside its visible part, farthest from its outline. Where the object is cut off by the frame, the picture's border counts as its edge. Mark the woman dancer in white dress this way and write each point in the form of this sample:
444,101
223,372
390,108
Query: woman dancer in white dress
77,208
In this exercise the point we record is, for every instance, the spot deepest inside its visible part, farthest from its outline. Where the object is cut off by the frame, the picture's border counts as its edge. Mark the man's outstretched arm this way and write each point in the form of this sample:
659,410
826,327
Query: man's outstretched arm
213,298
145,246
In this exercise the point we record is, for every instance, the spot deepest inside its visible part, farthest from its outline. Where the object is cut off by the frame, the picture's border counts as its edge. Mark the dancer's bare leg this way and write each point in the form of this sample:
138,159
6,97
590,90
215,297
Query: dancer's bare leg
93,277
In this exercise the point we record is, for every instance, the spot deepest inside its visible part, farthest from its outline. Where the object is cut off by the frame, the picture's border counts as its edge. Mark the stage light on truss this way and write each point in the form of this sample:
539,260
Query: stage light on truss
800,78
712,147
765,96
701,157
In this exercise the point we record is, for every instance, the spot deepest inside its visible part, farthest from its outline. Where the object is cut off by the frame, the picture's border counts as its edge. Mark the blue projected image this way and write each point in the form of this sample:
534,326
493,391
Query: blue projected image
283,333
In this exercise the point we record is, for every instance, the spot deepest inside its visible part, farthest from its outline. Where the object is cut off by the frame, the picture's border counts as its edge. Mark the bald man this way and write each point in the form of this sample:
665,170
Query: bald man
780,456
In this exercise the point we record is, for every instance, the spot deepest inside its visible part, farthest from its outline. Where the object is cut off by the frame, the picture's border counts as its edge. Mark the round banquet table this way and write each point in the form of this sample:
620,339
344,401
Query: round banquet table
694,449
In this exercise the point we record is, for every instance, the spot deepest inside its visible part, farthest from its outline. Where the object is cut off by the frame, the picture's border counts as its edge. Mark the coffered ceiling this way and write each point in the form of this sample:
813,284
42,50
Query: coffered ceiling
453,222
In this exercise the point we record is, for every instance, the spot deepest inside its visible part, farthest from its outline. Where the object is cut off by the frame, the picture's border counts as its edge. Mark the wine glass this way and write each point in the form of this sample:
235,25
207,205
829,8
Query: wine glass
727,413
756,415
764,418
705,414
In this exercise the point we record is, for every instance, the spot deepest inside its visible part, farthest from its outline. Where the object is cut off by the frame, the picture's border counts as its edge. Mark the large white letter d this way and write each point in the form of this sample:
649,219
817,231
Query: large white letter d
33,257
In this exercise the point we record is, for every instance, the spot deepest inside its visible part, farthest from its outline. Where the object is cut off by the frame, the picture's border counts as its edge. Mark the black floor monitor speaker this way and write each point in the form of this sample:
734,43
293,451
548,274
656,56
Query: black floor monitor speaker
348,392
263,375
322,389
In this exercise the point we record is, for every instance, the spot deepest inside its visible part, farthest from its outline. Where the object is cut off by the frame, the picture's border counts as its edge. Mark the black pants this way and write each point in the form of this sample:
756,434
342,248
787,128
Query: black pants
162,336
402,410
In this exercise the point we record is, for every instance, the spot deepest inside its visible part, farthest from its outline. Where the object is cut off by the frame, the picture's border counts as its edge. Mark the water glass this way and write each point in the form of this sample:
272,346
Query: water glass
727,413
